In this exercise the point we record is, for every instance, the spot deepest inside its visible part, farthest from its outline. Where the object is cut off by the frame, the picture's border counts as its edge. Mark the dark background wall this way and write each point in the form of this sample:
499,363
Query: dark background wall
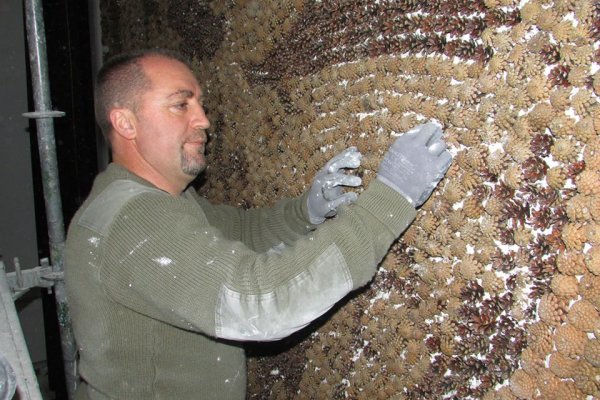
17,217
23,231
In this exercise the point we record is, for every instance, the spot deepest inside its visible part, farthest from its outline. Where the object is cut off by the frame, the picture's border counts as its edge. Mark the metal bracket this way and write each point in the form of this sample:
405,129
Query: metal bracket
43,114
21,281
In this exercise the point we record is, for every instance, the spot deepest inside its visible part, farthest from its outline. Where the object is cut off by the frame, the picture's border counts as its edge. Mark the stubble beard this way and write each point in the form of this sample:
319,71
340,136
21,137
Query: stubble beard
193,164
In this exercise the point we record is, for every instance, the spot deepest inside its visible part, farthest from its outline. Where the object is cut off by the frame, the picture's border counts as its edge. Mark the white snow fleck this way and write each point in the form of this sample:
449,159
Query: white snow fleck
140,244
277,249
164,261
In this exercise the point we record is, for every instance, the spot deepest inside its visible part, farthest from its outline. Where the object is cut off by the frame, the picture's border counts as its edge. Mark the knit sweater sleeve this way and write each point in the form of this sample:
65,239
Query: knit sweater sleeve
260,229
163,258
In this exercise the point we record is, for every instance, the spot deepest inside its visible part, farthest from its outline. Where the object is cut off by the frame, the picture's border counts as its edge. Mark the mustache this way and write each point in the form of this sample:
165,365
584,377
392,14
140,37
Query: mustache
197,136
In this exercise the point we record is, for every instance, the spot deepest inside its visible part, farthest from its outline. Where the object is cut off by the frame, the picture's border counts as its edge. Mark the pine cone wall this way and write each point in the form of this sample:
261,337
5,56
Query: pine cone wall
493,292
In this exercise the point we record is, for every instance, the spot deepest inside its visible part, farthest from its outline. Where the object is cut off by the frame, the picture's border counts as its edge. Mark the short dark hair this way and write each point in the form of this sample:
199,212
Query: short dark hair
121,81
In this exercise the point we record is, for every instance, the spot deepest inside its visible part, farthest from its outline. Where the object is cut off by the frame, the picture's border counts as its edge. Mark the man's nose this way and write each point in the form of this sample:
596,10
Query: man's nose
200,121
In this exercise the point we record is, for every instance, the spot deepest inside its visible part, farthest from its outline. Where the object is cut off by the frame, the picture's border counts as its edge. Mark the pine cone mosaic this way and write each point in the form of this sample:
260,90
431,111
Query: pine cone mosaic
493,292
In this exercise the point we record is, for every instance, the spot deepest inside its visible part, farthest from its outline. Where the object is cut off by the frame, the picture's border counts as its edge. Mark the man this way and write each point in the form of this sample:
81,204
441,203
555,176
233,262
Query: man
163,286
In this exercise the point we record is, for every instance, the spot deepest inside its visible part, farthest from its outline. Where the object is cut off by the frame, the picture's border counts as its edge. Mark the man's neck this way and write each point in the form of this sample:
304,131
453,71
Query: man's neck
150,175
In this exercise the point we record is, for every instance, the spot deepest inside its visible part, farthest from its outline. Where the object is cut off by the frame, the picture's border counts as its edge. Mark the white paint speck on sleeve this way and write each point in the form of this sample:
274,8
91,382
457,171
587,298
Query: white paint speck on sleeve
164,261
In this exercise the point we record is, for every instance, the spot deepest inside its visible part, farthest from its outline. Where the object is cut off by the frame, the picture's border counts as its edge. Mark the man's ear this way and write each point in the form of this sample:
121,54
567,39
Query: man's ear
123,122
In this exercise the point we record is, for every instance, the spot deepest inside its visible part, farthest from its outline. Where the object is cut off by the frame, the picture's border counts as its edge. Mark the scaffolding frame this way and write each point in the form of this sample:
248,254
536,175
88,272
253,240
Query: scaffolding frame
16,366
49,274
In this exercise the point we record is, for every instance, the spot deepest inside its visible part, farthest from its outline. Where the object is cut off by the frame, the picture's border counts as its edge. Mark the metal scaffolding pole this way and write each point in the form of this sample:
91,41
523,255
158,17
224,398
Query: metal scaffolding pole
14,356
43,114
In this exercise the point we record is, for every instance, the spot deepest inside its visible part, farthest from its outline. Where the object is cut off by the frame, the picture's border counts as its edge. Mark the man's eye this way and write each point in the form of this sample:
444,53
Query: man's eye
181,106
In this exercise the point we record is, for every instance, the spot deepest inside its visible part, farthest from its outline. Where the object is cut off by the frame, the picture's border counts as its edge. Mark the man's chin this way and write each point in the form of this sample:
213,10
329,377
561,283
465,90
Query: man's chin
194,171
193,166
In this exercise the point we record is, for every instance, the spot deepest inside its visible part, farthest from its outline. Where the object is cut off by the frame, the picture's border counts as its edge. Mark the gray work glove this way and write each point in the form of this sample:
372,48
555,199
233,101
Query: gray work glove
326,194
415,163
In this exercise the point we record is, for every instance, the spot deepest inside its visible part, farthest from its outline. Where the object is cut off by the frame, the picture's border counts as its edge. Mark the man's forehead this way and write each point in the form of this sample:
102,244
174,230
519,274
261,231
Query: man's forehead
171,75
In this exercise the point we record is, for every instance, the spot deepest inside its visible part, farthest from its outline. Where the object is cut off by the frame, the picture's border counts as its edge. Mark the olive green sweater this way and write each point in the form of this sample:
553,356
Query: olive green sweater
163,289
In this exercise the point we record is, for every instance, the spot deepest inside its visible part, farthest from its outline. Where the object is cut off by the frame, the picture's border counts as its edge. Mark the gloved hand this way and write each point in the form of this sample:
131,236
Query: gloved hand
325,194
415,163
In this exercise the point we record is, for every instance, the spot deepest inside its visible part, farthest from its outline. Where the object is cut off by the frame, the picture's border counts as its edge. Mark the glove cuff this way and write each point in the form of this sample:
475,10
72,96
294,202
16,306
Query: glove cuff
383,202
297,214
314,219
392,185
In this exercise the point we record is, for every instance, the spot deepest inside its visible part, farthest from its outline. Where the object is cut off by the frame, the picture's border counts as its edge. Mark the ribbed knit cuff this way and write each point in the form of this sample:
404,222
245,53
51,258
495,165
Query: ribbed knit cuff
388,206
296,214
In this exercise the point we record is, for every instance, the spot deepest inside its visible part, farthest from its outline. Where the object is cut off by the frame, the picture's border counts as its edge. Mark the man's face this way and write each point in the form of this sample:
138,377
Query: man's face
171,121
